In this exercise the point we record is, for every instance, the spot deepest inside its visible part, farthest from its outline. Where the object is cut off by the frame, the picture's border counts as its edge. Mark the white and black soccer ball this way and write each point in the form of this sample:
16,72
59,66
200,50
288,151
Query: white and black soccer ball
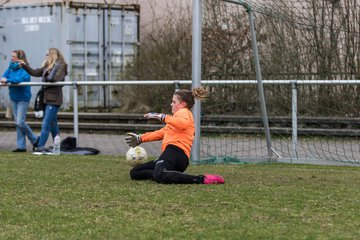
136,156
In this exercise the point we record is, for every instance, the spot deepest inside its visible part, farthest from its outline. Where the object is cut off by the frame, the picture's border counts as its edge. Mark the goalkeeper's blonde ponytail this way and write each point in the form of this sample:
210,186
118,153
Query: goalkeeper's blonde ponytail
189,97
200,93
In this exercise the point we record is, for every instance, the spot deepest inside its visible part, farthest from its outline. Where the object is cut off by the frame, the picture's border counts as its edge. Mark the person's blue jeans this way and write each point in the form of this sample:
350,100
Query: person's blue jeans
22,128
49,124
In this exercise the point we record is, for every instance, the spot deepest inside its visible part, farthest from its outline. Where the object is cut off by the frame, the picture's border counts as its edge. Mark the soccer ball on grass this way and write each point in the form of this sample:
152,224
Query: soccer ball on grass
136,156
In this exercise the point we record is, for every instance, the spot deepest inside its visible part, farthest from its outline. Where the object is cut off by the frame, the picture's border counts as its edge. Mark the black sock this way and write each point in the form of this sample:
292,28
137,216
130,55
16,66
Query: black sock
201,179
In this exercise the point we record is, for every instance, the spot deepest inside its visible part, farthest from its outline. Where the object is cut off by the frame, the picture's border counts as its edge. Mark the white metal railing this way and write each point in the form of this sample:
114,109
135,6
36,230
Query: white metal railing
188,82
177,83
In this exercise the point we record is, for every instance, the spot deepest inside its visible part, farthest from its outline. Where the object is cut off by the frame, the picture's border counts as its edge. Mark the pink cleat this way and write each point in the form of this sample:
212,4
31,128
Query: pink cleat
213,179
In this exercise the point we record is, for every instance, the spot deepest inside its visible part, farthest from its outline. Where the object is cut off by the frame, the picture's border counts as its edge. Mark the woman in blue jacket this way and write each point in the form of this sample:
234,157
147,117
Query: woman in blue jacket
20,99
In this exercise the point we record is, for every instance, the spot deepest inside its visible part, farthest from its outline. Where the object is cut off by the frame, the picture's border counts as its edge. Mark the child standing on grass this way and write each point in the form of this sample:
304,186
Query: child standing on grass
177,137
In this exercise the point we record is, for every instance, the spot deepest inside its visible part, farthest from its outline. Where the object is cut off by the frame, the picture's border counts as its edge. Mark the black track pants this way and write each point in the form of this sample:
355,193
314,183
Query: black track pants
168,168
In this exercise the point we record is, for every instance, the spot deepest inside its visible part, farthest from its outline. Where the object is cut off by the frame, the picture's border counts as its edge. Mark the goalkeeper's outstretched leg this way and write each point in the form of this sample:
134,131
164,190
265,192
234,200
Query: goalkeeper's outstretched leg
169,169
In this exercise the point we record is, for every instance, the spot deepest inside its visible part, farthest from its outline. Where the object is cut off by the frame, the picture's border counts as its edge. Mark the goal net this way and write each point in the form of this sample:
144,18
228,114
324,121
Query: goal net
297,40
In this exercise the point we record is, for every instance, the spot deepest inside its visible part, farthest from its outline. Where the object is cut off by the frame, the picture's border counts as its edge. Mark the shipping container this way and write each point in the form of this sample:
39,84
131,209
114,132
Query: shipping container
97,41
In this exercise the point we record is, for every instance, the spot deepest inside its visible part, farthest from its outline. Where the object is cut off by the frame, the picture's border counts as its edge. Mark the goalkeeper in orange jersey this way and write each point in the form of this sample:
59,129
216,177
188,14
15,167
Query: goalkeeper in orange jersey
177,138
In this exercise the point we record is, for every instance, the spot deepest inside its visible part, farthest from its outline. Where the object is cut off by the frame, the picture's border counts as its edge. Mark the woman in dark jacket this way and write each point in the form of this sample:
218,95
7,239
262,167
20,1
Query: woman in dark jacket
54,69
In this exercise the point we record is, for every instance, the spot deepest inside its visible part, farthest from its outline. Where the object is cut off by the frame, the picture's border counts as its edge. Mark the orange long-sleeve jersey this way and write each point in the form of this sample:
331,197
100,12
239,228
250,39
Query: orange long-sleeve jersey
179,131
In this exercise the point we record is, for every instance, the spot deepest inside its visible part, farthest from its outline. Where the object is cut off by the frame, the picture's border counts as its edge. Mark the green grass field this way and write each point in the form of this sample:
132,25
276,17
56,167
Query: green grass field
92,197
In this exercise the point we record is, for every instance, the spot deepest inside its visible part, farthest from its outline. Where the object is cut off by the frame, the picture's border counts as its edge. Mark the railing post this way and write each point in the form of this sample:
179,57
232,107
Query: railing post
85,62
177,86
76,112
294,153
